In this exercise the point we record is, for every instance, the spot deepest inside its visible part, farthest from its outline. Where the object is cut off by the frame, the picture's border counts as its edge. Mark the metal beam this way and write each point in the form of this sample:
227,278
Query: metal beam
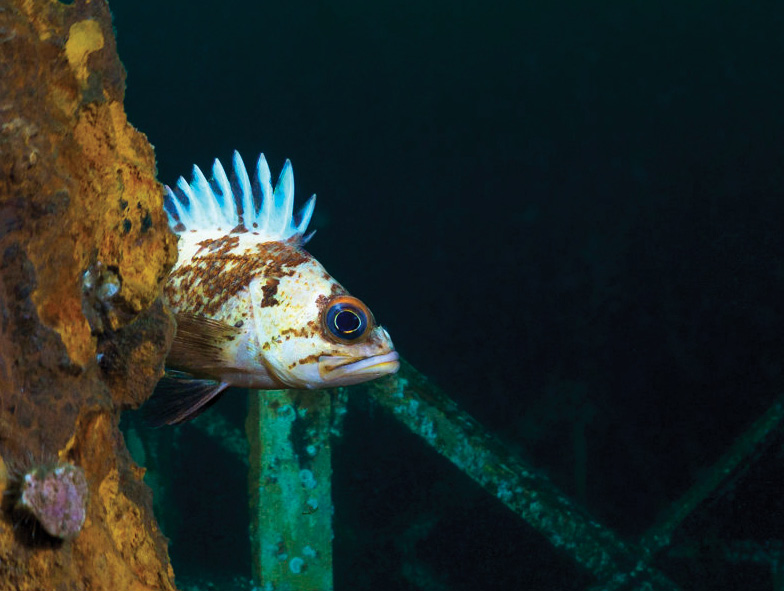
290,489
728,465
429,413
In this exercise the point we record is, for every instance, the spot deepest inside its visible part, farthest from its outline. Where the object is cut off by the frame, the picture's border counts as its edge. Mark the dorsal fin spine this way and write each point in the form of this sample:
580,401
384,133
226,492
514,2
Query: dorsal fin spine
195,208
228,204
305,213
265,183
172,201
248,209
203,188
284,200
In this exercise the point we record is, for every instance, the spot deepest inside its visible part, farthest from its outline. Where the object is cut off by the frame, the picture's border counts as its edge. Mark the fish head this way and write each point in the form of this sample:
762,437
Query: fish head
312,332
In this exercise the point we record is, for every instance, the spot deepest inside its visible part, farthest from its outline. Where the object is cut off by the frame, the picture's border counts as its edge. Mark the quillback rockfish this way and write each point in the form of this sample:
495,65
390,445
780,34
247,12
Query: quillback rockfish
253,308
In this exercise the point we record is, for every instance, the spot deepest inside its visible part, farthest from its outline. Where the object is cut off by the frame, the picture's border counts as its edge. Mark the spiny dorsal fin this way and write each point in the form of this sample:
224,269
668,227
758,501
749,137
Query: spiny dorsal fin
200,342
241,203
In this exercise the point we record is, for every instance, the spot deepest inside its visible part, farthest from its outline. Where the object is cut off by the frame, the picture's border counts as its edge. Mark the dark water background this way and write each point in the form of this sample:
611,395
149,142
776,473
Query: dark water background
567,214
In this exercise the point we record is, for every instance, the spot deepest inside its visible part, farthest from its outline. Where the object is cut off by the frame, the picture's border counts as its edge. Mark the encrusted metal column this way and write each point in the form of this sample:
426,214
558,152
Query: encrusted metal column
290,491
84,248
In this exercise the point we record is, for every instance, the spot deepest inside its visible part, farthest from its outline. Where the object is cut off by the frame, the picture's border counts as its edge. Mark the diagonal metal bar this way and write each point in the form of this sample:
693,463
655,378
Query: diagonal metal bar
429,413
658,536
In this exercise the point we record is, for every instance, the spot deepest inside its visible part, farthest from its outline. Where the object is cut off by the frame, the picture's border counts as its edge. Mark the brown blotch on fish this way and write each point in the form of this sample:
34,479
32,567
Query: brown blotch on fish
305,332
218,246
269,289
285,254
323,301
234,276
309,359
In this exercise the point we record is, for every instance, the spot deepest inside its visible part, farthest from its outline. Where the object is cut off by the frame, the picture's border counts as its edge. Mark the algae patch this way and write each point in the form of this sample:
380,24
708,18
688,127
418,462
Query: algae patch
84,38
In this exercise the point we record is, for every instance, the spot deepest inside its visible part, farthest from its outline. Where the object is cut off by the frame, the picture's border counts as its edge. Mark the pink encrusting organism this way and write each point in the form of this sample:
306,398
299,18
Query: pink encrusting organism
56,496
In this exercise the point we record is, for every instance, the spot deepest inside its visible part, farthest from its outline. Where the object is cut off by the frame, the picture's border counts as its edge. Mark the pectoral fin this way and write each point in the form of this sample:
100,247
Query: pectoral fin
200,343
177,399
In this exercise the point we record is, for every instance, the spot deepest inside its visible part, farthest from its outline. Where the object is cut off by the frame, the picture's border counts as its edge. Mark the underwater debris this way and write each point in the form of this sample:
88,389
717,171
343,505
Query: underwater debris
57,496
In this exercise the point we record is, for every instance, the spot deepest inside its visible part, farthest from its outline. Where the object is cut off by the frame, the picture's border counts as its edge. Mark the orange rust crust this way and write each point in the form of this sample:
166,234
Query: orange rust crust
216,274
77,193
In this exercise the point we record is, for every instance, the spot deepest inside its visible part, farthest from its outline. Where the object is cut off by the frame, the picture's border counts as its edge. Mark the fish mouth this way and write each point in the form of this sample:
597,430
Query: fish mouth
344,371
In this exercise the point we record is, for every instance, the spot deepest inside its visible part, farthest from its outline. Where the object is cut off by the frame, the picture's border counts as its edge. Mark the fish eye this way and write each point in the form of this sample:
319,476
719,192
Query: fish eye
347,318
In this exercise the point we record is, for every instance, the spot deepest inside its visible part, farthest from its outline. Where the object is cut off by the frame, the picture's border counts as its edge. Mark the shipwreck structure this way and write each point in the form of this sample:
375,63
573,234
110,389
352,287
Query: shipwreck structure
84,249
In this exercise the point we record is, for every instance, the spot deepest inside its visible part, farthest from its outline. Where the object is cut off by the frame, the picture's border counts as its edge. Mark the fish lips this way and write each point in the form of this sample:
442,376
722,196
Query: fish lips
344,371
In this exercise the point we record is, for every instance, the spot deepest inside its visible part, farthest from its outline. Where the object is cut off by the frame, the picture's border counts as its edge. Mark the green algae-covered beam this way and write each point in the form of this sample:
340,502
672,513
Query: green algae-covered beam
290,493
727,465
429,413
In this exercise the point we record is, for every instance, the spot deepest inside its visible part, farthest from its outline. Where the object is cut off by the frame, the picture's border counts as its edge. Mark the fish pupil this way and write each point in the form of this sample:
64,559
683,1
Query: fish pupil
347,321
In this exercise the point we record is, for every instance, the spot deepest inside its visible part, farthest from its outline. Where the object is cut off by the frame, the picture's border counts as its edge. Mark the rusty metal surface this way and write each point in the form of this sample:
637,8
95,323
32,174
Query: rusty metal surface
84,246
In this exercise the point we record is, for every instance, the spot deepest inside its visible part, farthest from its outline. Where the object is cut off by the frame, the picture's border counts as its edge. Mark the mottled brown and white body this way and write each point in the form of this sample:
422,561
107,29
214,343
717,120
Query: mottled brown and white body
253,308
